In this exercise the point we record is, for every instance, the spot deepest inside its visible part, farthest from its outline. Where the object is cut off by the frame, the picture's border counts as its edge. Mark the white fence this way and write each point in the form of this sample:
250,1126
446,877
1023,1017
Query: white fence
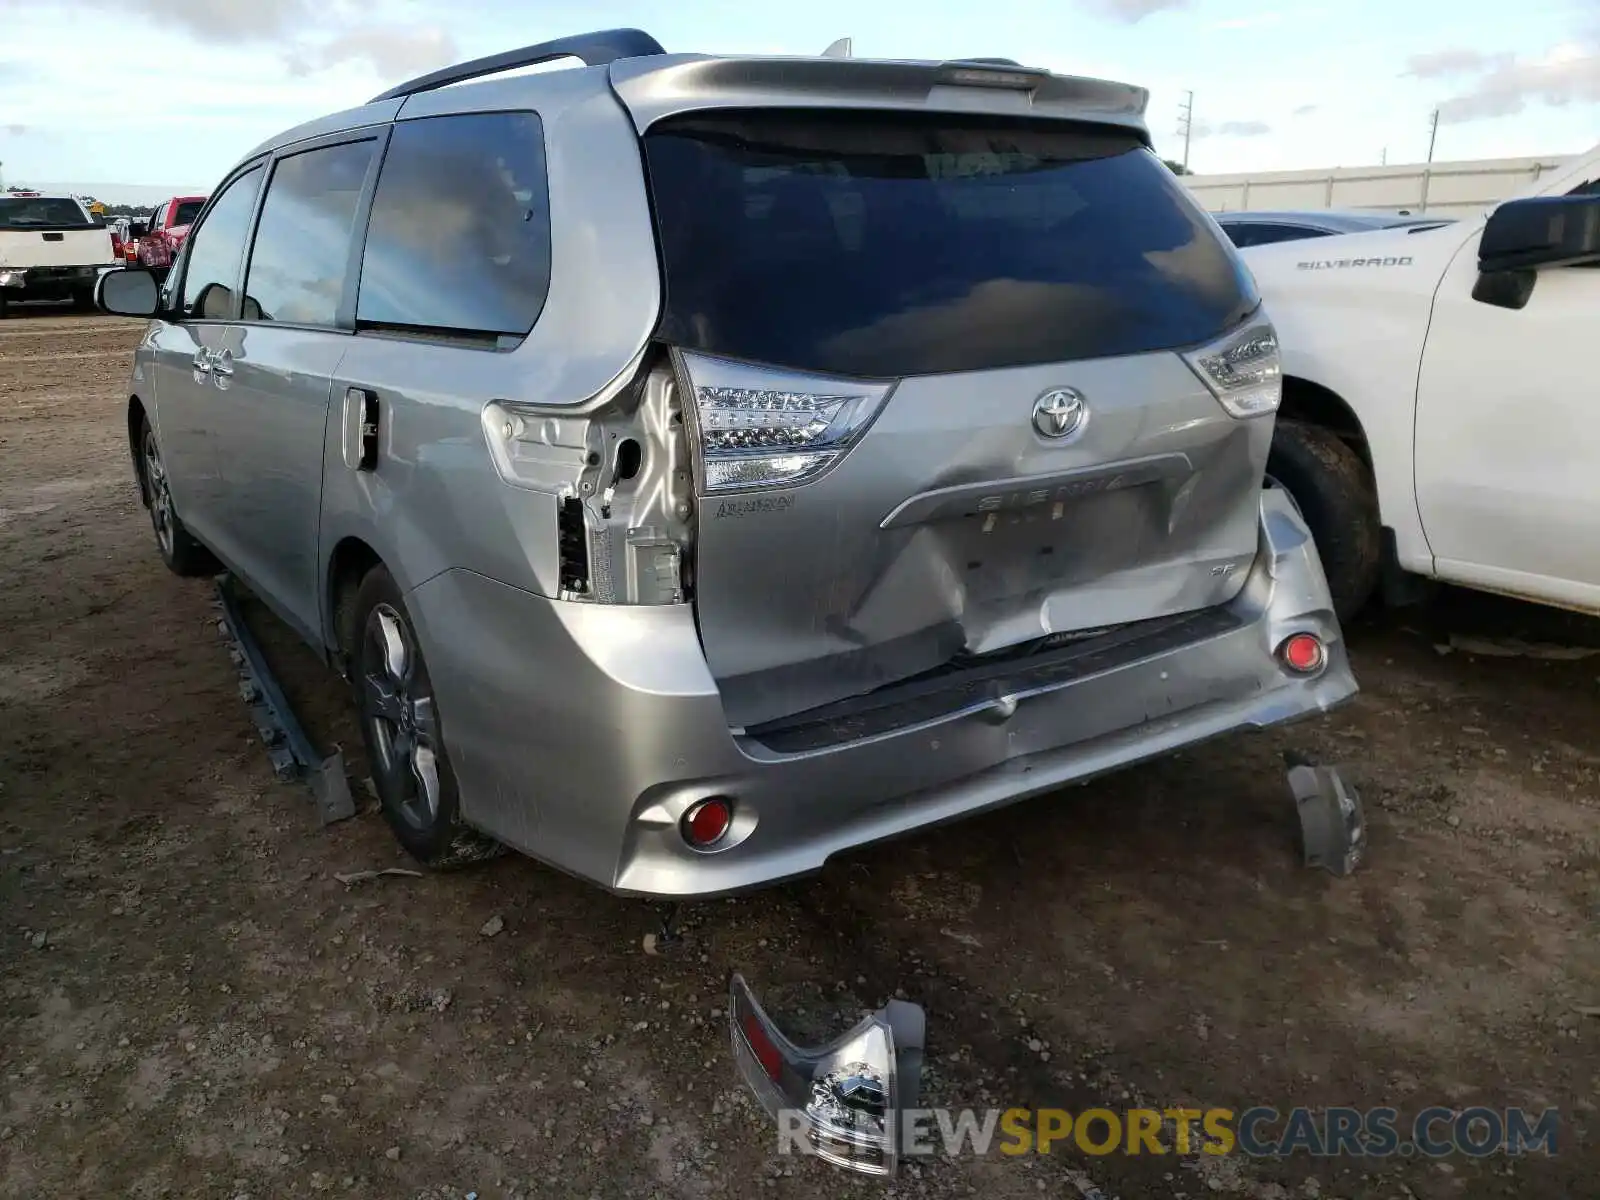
1448,188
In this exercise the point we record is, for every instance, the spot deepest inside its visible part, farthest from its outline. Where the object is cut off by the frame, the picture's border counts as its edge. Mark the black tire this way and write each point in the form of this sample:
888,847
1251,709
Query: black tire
83,300
1335,494
4,304
401,729
178,548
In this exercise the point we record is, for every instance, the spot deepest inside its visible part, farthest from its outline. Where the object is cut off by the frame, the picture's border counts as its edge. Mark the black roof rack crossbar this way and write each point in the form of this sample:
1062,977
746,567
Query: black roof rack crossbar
595,49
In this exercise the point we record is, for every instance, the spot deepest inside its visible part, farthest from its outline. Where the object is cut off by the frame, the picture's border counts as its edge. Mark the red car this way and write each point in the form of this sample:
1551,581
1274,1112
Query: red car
169,225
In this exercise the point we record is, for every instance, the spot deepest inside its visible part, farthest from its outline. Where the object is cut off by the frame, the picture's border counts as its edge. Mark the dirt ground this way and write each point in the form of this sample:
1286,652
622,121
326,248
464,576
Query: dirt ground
192,1005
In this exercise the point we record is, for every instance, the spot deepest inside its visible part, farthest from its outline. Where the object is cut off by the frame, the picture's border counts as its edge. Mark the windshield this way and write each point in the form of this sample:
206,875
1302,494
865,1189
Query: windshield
887,245
188,210
41,212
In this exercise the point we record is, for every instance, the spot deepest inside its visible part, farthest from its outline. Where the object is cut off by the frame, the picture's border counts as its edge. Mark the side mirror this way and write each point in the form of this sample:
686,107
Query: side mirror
1544,231
128,292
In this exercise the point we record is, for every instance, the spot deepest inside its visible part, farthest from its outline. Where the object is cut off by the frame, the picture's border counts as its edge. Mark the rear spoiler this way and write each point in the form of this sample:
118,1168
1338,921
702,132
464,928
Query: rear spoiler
659,86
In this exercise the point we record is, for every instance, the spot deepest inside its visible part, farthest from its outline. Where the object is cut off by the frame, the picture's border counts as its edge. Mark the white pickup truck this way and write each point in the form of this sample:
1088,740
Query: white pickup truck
51,248
1441,410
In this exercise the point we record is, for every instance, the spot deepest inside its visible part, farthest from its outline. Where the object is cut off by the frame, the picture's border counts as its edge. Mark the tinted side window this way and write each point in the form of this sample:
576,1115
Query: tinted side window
459,240
1243,235
302,247
1271,234
216,248
1265,235
1592,188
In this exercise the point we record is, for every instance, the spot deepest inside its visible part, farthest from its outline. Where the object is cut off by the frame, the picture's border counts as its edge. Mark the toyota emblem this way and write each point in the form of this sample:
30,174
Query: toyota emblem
1060,413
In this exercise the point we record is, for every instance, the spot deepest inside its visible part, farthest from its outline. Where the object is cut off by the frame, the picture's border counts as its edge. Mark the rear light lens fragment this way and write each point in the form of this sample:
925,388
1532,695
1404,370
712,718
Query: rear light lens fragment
1303,653
842,1101
1243,370
706,823
764,428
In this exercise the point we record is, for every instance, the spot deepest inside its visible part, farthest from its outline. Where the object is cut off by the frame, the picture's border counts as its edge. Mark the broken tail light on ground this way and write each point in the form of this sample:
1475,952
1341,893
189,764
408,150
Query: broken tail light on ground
842,1101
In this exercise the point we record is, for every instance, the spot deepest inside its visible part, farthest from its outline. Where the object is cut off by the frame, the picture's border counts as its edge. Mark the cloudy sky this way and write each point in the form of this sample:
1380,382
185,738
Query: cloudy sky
168,93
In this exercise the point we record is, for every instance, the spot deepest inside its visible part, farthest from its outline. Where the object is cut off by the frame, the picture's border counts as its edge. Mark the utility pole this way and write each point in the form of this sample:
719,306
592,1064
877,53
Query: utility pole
1186,123
1383,159
1433,133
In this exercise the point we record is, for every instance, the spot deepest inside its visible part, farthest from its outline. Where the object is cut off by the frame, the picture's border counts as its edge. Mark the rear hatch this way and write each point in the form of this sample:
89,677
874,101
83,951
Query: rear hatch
940,379
50,231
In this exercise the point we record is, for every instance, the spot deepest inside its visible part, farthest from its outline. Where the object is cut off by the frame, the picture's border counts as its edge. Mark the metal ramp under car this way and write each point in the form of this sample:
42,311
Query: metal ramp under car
290,750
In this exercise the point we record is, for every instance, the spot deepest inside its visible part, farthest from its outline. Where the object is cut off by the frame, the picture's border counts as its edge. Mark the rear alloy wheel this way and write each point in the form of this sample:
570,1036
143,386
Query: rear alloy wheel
182,554
400,727
1333,491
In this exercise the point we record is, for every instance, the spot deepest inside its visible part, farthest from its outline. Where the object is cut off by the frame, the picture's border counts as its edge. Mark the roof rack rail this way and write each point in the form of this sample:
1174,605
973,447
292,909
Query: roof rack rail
595,49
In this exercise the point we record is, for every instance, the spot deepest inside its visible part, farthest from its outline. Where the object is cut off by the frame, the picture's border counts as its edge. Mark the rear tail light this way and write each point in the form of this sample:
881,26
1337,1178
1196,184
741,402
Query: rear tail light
763,428
1243,370
842,1101
1303,653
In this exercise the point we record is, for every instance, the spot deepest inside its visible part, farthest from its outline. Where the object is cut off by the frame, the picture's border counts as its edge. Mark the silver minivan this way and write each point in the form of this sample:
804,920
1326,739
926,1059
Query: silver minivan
703,465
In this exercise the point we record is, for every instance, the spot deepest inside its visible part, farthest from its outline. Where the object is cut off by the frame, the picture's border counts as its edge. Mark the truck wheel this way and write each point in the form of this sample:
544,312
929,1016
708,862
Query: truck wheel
4,304
179,550
83,300
400,726
1334,492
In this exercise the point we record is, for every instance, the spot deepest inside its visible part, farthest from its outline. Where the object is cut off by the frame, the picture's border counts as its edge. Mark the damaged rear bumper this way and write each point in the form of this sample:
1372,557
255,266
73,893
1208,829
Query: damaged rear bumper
589,751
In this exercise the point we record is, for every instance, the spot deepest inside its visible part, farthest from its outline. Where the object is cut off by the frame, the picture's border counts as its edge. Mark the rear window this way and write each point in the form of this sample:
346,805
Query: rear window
42,213
885,246
187,212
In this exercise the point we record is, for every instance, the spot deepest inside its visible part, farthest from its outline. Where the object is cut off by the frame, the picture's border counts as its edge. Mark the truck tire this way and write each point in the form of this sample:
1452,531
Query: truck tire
1335,494
400,727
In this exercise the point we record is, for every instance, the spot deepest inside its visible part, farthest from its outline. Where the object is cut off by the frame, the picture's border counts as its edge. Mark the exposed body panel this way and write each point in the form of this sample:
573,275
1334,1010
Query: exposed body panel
434,502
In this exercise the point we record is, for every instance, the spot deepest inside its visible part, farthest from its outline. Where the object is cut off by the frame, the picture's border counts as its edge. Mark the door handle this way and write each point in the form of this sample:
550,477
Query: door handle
222,368
360,429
